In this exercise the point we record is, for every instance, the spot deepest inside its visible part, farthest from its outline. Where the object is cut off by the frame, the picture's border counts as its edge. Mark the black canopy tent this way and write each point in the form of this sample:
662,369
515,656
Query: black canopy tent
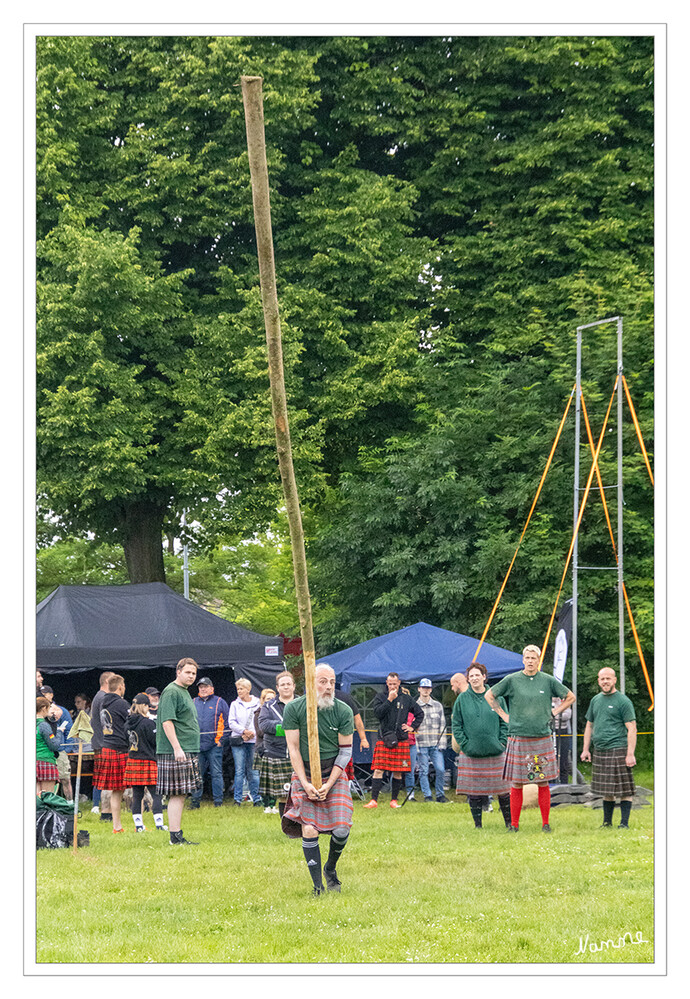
142,630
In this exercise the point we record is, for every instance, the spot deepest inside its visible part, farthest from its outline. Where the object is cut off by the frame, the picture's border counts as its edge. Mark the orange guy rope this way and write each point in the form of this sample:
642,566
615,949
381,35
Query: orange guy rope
637,429
529,516
615,553
579,521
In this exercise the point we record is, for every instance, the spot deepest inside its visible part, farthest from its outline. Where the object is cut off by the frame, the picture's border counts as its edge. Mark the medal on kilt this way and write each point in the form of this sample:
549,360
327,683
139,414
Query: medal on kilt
534,767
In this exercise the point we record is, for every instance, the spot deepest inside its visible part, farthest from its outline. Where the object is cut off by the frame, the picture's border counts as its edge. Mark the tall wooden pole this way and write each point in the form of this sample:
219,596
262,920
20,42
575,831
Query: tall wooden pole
258,169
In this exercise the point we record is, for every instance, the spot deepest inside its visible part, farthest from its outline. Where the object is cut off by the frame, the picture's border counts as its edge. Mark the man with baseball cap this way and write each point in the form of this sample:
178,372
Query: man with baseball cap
431,742
154,696
212,712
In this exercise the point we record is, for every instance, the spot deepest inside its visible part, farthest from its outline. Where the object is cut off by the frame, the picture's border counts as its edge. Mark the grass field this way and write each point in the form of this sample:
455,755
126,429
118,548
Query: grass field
420,885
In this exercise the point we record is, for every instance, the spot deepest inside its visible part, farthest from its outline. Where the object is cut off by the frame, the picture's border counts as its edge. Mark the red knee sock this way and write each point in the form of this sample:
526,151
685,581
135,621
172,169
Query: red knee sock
515,805
544,792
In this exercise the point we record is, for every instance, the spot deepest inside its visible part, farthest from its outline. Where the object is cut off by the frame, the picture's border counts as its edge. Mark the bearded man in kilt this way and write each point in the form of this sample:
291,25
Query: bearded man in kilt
177,747
612,729
113,759
310,811
392,750
530,754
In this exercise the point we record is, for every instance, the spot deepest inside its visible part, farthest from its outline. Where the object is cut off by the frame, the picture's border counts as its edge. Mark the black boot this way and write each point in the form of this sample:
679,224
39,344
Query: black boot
476,809
177,839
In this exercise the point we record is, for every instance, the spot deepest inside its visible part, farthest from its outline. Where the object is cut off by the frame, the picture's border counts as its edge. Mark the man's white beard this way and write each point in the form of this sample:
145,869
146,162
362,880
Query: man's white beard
325,700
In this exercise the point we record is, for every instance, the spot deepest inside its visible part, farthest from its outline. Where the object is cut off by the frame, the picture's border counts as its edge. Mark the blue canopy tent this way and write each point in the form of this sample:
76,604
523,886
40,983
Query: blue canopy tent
420,650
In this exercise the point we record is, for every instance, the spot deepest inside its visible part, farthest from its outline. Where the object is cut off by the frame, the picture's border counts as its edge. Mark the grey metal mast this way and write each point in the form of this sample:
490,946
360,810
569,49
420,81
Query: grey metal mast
576,511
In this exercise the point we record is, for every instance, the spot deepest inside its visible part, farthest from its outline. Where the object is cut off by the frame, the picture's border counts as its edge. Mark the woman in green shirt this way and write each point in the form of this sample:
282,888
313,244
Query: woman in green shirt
481,734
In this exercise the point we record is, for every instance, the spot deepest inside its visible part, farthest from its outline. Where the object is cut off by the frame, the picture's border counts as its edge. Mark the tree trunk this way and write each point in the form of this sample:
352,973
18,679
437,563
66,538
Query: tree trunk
142,540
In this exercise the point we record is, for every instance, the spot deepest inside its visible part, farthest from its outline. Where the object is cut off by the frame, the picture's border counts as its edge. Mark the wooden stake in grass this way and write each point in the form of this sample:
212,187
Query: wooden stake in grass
258,168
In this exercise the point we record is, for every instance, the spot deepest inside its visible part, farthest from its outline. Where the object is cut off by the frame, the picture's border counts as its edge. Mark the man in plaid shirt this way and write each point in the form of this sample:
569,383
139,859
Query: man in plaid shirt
431,742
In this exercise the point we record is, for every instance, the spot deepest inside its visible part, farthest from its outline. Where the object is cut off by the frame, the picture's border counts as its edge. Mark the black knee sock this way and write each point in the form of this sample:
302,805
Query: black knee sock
281,808
337,847
312,855
476,809
608,811
504,802
376,788
625,812
396,784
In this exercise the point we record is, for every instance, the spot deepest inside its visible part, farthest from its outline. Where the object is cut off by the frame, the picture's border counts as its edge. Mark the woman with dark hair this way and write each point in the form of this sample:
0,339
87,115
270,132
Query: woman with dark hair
481,734
276,766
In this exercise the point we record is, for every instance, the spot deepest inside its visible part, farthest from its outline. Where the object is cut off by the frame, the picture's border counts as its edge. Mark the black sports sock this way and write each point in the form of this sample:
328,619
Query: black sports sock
475,804
396,784
376,784
625,812
312,855
337,847
608,812
281,808
504,802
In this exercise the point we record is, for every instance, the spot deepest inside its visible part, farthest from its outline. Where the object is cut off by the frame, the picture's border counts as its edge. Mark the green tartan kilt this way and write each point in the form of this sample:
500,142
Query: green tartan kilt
274,777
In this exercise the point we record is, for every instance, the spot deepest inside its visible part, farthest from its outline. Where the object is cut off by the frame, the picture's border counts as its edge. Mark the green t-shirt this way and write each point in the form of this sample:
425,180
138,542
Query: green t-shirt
176,705
608,714
332,722
529,701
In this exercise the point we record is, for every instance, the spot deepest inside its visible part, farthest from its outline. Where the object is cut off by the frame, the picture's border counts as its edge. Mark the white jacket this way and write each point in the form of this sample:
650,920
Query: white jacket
241,716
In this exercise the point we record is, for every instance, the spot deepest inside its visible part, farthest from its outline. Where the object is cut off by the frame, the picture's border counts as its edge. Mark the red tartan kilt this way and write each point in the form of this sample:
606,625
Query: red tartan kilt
96,766
141,772
396,759
46,771
111,770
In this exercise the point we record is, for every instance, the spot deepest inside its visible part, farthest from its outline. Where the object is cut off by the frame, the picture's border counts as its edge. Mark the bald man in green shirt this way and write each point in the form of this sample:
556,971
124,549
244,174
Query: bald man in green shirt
612,730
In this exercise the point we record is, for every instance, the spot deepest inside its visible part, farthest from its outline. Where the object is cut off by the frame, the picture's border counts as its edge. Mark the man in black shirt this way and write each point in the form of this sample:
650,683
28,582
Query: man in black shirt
392,750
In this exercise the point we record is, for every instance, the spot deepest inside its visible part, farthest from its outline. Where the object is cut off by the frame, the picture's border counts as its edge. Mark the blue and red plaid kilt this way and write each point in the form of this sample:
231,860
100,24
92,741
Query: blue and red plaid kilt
479,775
530,760
45,771
178,778
111,770
300,810
396,759
610,775
141,772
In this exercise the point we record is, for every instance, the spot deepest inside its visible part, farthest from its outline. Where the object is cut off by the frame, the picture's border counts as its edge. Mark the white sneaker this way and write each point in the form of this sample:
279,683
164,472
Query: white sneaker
275,810
140,828
267,810
96,810
410,796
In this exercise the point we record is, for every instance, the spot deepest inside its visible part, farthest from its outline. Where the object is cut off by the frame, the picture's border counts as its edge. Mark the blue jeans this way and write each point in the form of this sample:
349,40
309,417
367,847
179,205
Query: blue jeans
244,757
430,754
409,778
211,760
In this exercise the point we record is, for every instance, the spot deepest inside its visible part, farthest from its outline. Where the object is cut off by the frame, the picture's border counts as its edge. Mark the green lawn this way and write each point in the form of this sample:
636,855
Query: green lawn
420,885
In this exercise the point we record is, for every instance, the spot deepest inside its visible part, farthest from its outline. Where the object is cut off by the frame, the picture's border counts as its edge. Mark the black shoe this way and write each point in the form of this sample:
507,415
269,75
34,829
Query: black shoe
194,804
429,798
237,803
106,816
177,839
217,804
442,800
606,825
332,880
546,827
315,892
624,825
512,828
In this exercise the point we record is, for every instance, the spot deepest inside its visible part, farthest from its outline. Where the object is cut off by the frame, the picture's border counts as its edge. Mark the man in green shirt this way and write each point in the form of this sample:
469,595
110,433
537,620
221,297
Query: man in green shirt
530,754
328,809
612,731
177,746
